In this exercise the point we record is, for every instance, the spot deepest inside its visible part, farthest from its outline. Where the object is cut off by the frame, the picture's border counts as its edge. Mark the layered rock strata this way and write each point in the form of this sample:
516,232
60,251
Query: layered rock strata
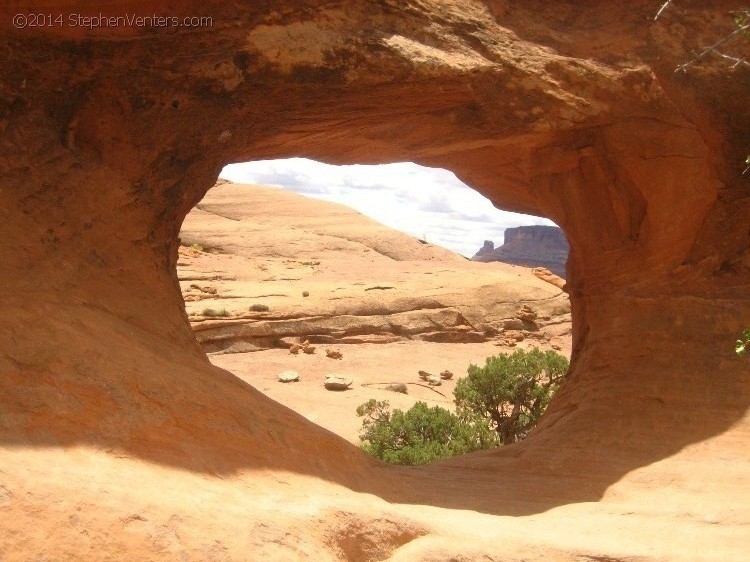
274,267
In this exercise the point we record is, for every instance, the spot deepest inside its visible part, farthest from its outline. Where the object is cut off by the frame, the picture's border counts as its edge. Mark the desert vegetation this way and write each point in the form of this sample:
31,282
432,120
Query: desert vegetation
421,434
743,344
741,28
213,313
511,391
497,404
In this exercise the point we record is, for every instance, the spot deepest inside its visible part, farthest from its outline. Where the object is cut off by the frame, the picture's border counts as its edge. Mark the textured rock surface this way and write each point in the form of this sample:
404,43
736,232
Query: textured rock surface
569,110
546,275
530,246
261,246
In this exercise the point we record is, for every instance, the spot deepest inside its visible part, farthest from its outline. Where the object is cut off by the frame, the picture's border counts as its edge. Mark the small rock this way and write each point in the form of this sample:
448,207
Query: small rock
433,380
505,343
514,335
397,387
556,347
526,314
289,376
334,354
446,375
305,293
424,374
332,382
306,347
294,349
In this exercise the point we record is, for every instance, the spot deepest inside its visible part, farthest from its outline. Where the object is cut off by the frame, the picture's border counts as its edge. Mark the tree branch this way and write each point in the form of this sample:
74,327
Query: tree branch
713,47
414,383
663,7
737,61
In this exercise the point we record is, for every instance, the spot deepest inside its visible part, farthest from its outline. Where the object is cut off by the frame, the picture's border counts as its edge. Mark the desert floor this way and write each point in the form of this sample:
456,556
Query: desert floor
374,291
366,364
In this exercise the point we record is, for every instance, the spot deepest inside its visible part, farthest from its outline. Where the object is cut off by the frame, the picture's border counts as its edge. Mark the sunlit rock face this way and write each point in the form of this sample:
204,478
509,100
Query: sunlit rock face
110,135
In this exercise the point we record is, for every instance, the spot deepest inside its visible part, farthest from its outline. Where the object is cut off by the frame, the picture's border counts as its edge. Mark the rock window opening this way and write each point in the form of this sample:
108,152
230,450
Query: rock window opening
298,270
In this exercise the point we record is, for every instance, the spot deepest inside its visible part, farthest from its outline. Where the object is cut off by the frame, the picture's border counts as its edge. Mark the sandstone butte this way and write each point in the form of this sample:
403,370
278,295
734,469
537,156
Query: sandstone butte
122,442
531,246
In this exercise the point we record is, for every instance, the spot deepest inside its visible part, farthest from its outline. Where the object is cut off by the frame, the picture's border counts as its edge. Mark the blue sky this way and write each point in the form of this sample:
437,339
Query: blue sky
429,203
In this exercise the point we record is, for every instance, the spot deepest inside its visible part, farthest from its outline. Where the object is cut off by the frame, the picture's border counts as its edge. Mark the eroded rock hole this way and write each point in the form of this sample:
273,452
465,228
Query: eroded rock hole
384,279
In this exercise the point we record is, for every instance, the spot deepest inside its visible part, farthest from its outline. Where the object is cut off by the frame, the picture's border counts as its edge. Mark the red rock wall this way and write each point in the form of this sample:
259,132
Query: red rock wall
570,111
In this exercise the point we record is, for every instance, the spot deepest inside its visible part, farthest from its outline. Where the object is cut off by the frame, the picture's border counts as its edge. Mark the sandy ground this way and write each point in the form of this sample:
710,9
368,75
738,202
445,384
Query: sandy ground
366,364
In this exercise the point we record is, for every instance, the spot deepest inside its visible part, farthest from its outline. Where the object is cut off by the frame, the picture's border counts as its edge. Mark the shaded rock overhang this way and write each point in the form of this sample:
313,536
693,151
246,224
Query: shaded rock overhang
569,110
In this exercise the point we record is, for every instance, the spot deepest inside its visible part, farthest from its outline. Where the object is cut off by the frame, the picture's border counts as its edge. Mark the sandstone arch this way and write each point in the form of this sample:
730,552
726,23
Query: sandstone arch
109,137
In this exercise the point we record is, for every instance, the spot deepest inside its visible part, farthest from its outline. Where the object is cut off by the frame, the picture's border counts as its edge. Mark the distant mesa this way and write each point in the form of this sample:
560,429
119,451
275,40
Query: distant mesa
530,246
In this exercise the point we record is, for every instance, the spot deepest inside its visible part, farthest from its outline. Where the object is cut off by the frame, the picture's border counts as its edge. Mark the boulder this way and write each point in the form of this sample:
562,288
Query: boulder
514,335
333,382
334,354
289,376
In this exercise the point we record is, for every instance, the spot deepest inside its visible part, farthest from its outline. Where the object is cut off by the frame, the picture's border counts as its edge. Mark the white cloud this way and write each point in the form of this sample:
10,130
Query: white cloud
424,202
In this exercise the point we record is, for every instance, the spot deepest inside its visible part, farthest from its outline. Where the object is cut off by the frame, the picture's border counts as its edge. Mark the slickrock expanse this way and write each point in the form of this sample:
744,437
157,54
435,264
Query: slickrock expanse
531,246
120,440
392,305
